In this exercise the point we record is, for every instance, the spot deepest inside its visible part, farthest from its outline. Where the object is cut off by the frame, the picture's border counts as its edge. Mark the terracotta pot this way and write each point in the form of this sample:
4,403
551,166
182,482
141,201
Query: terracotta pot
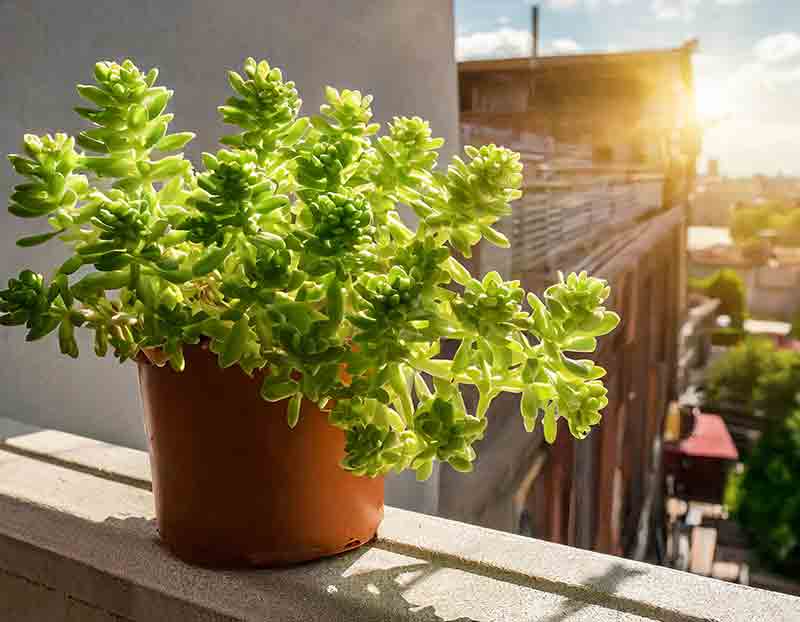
233,485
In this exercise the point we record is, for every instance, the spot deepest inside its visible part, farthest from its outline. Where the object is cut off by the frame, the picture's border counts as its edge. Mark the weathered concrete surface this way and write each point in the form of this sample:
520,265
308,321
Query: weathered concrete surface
120,464
73,541
22,600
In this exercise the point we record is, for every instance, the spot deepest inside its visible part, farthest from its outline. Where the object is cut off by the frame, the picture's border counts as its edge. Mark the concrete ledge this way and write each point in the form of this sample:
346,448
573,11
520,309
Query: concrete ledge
77,452
78,542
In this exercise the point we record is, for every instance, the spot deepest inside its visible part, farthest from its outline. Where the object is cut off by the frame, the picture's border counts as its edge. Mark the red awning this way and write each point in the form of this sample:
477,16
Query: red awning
709,439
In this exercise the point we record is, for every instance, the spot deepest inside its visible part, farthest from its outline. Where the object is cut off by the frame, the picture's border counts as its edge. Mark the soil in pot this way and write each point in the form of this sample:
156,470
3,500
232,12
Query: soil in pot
234,485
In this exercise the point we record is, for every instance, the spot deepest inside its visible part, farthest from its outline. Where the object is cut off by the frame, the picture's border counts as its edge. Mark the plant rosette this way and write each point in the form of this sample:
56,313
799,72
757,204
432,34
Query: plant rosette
286,252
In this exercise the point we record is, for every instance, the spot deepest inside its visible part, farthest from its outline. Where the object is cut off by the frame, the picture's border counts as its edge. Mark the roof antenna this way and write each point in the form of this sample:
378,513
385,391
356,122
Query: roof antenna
535,31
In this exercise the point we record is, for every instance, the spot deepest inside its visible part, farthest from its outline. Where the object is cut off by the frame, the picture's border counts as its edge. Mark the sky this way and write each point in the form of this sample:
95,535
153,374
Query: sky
747,68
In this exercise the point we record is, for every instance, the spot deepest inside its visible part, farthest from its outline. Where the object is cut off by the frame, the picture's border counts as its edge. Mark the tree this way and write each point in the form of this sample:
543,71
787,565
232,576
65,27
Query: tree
780,216
795,333
790,229
728,287
777,390
747,222
733,378
765,497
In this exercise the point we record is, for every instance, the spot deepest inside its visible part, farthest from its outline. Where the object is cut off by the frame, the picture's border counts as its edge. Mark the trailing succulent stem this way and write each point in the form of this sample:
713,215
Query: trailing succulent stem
287,253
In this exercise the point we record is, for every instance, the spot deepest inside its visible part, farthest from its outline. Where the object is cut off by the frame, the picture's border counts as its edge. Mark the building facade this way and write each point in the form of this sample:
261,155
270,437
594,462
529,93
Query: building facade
609,144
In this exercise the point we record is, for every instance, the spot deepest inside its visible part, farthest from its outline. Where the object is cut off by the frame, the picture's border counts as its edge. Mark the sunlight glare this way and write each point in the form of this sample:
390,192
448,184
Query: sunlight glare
712,101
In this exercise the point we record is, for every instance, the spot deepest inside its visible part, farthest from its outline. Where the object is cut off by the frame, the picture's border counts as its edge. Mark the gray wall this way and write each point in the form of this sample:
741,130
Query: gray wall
402,52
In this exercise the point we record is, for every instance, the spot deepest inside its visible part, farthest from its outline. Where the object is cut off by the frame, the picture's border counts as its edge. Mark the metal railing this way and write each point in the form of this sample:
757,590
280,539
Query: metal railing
554,216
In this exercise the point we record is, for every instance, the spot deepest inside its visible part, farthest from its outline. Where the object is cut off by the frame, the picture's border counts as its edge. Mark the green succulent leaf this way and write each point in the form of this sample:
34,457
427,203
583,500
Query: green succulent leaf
235,343
293,410
35,240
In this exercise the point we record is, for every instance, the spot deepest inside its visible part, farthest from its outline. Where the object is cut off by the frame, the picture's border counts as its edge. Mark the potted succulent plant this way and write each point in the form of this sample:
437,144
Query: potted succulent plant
286,322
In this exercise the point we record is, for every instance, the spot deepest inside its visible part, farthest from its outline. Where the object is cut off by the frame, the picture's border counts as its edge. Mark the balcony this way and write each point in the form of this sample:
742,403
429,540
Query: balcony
78,543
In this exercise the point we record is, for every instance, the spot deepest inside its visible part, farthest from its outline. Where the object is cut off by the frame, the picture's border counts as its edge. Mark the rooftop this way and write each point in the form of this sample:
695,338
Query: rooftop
528,63
702,238
709,439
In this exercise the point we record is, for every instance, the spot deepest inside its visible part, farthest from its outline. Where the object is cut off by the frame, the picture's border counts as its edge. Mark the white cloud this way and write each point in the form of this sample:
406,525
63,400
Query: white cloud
727,95
684,9
561,4
501,43
789,76
778,48
563,46
558,5
508,43
707,62
675,9
663,9
759,74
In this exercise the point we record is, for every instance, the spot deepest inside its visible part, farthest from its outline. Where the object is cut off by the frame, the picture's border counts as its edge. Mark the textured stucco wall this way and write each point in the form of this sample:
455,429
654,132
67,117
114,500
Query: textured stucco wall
402,52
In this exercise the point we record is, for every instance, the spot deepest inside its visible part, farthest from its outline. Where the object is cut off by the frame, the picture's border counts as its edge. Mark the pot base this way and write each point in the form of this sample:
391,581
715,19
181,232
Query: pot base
220,559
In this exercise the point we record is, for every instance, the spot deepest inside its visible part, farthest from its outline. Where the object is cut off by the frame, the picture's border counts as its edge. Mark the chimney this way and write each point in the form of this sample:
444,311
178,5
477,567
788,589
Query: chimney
535,31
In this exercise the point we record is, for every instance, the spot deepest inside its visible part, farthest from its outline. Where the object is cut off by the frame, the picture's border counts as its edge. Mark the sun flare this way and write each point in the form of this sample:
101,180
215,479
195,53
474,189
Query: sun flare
712,101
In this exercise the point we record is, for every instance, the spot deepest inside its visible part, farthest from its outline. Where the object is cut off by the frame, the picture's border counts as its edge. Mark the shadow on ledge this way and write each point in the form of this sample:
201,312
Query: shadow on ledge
336,584
607,583
375,583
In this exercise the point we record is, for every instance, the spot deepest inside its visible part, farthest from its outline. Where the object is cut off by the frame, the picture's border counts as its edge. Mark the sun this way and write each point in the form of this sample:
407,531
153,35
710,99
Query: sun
712,101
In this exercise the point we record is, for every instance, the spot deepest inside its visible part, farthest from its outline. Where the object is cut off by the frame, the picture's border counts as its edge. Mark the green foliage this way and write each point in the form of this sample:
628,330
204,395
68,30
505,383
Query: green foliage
728,336
790,228
287,253
777,391
765,498
756,376
728,287
733,378
748,221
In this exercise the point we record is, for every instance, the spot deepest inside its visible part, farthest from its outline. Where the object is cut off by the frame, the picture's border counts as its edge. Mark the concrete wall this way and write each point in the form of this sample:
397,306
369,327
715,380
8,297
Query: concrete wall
776,294
402,52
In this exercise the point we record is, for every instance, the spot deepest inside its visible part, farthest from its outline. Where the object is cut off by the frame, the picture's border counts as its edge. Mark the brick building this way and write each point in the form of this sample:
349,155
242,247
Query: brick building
609,144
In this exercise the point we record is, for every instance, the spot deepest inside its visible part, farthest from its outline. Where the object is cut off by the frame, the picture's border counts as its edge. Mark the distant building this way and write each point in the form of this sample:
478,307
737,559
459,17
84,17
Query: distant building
780,187
633,108
715,198
609,144
698,464
772,279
